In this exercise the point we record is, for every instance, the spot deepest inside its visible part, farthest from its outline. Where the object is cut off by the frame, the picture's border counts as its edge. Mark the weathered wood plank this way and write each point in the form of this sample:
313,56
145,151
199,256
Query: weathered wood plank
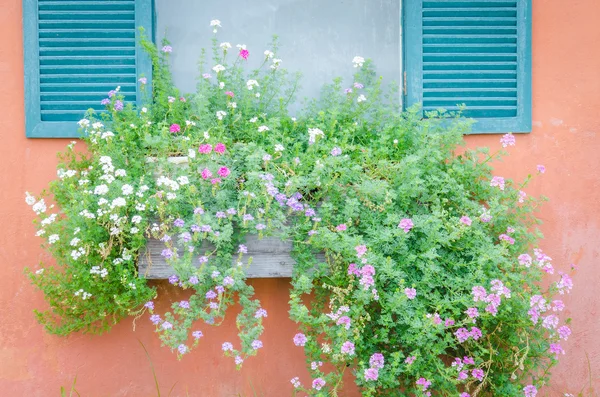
270,258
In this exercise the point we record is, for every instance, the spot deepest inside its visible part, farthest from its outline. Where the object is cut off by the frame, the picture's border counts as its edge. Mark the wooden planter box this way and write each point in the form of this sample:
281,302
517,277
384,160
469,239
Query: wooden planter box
270,255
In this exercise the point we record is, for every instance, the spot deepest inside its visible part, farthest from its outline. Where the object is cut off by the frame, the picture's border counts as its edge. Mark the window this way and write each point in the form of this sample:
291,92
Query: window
476,53
75,52
446,52
318,38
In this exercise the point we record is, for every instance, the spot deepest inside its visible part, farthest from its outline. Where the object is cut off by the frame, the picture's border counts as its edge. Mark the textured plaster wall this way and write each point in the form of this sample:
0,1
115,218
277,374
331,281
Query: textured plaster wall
566,110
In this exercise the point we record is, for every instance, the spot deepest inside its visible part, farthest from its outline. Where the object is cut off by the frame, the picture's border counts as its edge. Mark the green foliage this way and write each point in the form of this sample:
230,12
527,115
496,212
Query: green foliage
394,202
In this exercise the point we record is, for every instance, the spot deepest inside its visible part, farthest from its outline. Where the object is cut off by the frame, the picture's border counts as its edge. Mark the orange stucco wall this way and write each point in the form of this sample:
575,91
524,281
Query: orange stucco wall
566,113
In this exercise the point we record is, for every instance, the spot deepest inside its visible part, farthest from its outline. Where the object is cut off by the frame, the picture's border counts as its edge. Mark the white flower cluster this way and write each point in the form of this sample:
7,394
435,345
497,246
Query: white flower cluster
313,133
84,295
102,272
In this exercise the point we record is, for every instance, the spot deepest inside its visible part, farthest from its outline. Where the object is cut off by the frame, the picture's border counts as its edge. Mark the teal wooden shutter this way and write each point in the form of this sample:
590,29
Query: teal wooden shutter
471,52
74,53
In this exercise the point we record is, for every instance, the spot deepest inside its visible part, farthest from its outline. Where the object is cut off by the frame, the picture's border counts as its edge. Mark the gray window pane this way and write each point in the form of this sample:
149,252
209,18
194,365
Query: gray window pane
318,38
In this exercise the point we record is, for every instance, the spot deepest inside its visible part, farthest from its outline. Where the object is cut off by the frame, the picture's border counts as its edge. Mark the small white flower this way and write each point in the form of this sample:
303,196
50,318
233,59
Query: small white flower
361,98
250,84
118,202
53,238
293,119
144,110
132,125
221,85
39,271
120,172
127,189
358,61
29,199
206,135
39,207
221,114
232,105
140,207
218,68
276,63
225,46
101,189
171,196
269,54
215,23
84,123
257,95
279,148
263,128
191,153
49,220
395,141
253,119
134,230
188,123
183,180
40,232
313,133
136,219
74,242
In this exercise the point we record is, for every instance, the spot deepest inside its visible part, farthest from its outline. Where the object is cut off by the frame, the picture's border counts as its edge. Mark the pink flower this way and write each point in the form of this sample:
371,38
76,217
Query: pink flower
424,383
223,171
530,391
525,260
215,181
371,374
205,148
475,333
558,305
318,383
522,196
347,348
465,220
167,49
507,140
472,312
462,375
479,293
541,169
353,269
565,284
448,322
556,349
406,224
462,334
477,374
143,80
182,99
360,250
206,174
409,360
564,332
244,53
464,394
174,128
367,270
344,320
507,238
497,181
410,293
229,94
341,227
300,339
220,148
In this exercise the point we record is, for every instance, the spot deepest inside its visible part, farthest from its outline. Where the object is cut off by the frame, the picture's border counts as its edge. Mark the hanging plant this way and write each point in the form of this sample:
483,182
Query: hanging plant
416,266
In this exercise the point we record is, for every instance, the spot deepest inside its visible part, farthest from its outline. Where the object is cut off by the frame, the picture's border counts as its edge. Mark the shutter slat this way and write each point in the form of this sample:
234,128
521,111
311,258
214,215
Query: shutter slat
86,48
428,66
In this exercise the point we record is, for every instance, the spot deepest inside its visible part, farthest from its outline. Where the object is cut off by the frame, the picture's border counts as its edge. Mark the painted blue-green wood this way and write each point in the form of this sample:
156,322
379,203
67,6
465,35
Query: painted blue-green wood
74,53
473,53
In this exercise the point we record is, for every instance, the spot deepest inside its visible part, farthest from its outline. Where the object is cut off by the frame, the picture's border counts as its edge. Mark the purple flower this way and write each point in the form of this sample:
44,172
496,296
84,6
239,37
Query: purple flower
472,312
220,289
465,220
348,91
257,344
167,325
406,224
448,322
227,346
410,360
300,339
211,294
336,151
424,383
347,348
184,304
238,360
206,75
105,101
410,293
344,320
358,85
260,313
197,334
155,318
312,232
475,333
118,105
112,93
220,215
507,140
260,226
203,259
182,349
376,360
242,249
497,181
341,227
173,279
167,49
371,374
564,332
530,391
247,217
179,222
143,80
228,281
462,334
149,305
541,169
477,373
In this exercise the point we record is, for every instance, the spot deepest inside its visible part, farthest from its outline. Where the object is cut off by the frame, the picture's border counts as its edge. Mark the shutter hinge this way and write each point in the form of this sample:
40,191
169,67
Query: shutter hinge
404,84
